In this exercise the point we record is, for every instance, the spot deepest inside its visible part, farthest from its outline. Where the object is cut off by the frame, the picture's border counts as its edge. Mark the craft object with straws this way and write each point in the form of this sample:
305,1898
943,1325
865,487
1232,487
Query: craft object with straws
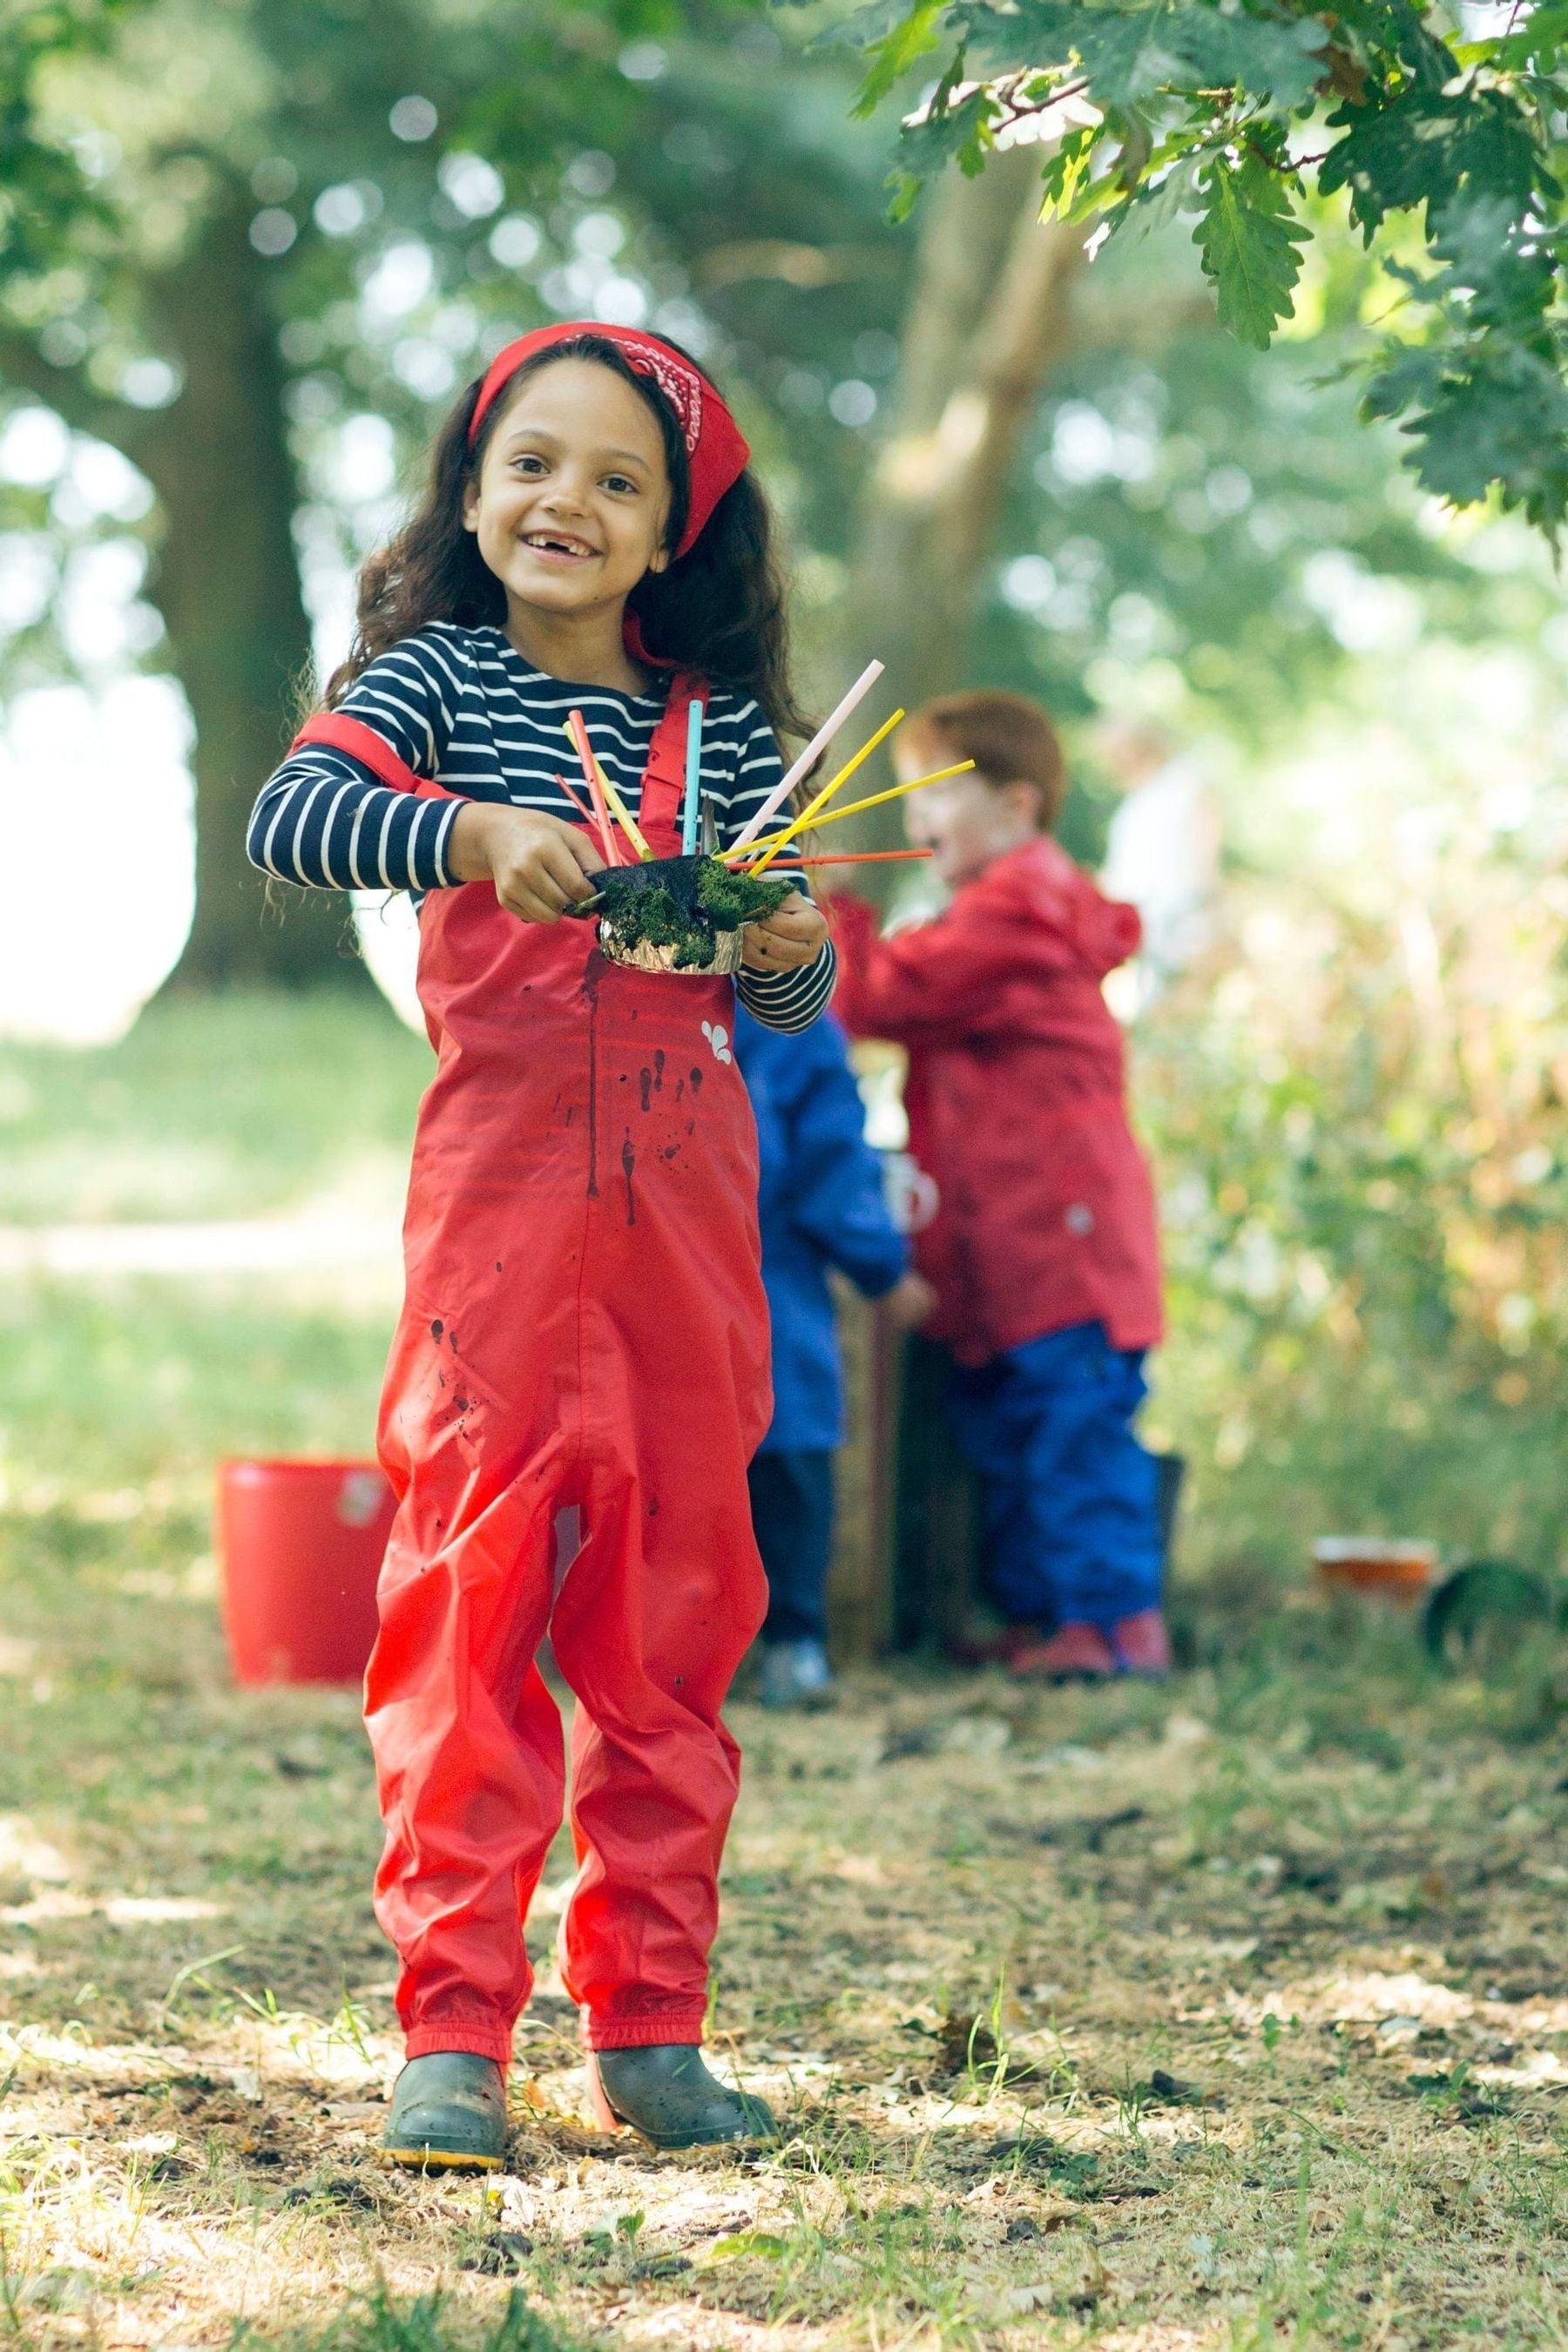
680,914
686,913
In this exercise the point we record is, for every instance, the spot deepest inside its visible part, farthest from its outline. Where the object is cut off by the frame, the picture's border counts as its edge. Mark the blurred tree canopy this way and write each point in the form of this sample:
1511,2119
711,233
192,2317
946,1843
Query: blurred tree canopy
168,157
1440,128
258,245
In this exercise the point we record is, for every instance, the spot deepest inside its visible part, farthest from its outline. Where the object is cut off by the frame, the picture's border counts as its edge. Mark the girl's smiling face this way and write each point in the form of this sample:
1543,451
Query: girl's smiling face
571,505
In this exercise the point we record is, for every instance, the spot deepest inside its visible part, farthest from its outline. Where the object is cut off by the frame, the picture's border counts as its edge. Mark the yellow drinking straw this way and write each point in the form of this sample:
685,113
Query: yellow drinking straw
826,794
856,808
624,818
595,775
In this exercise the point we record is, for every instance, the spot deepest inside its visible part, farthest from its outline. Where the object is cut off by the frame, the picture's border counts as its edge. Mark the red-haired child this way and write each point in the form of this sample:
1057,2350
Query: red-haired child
1044,1250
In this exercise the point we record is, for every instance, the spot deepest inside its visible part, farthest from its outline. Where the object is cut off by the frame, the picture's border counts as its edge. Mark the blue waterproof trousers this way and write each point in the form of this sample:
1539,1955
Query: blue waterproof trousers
1072,1530
792,1518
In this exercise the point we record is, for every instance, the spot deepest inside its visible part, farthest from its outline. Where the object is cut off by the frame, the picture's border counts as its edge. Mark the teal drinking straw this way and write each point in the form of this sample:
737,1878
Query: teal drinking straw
693,776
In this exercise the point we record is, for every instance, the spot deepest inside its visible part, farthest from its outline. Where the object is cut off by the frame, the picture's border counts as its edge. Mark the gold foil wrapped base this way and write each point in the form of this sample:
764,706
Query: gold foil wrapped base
645,957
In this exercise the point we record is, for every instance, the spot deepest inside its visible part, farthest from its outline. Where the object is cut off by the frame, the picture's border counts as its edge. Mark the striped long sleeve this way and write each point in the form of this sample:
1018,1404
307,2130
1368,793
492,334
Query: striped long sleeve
789,1000
463,708
323,819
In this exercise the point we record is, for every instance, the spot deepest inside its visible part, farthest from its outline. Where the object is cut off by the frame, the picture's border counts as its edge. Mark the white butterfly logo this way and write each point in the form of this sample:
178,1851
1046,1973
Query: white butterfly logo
718,1036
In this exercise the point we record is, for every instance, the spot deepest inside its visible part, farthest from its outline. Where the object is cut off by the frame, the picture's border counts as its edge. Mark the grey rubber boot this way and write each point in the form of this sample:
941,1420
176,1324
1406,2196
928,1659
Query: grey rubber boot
797,1675
449,2114
667,2095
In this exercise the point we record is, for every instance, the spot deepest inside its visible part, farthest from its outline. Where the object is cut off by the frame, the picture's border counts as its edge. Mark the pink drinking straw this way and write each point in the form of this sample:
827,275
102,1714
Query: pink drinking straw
578,803
819,743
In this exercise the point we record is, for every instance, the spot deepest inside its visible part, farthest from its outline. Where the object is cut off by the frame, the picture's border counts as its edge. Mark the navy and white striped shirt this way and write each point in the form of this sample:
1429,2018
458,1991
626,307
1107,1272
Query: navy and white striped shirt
463,708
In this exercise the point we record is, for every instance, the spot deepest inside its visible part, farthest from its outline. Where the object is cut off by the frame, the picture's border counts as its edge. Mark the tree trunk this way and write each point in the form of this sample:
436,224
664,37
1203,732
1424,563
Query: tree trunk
989,313
228,585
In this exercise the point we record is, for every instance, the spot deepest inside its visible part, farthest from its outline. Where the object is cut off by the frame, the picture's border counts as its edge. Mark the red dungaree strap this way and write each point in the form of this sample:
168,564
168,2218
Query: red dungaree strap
372,751
664,778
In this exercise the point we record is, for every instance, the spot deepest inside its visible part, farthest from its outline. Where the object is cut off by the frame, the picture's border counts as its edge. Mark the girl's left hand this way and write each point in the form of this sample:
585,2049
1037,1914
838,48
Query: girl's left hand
794,934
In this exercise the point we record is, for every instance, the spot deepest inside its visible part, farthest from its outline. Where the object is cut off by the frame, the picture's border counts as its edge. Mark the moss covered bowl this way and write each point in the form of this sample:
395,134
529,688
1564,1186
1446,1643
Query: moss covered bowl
680,914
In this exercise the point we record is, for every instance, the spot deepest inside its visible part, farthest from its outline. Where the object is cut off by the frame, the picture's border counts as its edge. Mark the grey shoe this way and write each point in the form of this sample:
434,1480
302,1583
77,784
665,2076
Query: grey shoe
667,2095
449,2114
796,1674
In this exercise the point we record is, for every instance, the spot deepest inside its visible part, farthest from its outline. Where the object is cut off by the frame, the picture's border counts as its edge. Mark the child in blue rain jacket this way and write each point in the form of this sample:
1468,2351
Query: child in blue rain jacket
822,1207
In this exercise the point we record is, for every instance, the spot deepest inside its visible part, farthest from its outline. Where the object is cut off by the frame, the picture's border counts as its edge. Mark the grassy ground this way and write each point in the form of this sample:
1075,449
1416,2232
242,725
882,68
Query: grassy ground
1230,2015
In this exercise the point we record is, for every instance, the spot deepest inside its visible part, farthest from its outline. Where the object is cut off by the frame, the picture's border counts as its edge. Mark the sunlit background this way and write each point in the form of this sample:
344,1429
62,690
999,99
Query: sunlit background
1225,2011
1426,748
1353,1088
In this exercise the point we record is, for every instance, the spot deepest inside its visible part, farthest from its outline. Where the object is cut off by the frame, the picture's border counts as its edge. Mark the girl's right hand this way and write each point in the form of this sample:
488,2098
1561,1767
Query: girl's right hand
539,865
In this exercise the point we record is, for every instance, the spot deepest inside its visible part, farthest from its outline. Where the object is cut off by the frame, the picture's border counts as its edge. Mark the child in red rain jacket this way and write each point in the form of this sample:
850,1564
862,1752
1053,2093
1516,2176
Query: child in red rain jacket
584,1325
1044,1251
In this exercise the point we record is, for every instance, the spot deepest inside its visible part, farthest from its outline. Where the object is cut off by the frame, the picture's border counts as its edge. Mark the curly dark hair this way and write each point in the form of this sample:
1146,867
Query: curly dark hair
717,609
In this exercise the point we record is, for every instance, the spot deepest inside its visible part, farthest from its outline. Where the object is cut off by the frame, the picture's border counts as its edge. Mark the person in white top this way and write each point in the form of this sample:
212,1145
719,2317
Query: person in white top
1163,848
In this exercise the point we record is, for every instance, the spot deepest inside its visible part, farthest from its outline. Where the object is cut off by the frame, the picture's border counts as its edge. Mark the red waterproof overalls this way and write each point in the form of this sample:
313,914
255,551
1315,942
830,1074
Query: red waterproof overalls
583,1325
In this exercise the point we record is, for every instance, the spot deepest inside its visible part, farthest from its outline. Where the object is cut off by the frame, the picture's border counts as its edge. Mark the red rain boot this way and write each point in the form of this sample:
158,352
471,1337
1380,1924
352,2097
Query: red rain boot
1073,1654
1142,1645
992,1649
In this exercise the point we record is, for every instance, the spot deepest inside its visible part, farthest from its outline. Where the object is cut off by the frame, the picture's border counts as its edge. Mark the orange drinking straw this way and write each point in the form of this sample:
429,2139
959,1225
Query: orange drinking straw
846,858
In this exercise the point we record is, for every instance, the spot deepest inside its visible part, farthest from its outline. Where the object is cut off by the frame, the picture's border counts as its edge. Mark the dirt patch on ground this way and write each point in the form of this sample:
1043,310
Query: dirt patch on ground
1231,2014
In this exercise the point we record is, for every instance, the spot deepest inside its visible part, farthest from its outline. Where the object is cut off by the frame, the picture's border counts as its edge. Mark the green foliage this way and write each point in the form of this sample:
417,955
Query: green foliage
1365,1197
1127,55
1430,134
1481,416
749,203
959,134
908,39
1486,401
44,194
1239,113
1250,240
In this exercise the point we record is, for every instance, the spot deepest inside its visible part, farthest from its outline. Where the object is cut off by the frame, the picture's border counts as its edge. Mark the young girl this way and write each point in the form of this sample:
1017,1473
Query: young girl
584,1324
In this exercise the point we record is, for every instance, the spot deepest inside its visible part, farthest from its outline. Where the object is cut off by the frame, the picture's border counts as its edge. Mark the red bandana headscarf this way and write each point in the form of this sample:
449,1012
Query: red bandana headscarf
715,449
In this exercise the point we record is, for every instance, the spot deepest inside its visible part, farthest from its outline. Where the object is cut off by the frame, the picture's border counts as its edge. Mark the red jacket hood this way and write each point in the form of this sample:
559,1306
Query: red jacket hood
1040,889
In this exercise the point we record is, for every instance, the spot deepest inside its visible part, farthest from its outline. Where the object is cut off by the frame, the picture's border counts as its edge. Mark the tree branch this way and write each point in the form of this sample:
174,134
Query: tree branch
1147,323
66,390
808,266
1024,329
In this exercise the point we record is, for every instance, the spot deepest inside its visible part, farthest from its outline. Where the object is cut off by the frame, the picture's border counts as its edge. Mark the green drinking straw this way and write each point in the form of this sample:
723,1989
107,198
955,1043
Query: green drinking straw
693,776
